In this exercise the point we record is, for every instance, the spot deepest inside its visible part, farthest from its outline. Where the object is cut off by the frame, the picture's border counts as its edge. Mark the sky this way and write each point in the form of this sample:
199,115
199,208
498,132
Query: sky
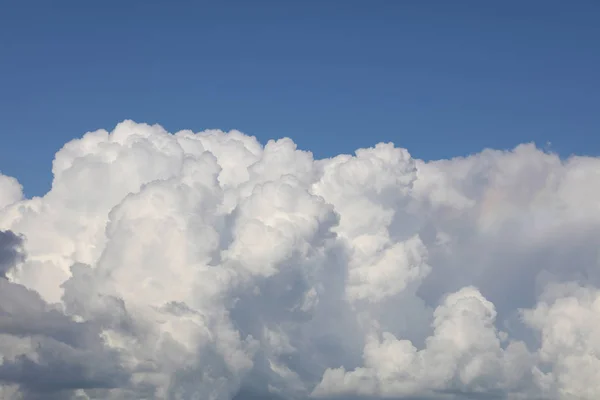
299,200
440,78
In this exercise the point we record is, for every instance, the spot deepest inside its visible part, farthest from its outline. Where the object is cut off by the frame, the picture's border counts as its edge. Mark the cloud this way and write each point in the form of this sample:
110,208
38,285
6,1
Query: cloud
11,252
10,191
43,351
207,265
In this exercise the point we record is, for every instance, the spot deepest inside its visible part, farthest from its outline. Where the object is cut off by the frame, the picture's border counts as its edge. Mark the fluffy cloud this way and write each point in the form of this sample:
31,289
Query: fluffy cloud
10,191
44,352
209,266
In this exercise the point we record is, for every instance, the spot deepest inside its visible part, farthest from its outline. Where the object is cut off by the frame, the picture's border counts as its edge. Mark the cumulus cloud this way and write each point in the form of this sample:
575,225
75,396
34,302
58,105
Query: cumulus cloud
44,352
210,266
10,190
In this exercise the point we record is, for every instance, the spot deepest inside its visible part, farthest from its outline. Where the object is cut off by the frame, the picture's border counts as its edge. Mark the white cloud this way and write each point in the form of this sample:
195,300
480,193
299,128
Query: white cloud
464,354
205,265
10,191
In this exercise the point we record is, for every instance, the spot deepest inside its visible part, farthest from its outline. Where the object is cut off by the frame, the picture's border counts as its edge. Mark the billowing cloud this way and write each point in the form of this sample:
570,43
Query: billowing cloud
44,352
10,191
209,266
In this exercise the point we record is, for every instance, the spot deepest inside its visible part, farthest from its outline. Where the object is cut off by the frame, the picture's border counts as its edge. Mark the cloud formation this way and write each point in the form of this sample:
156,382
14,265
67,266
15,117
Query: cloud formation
208,266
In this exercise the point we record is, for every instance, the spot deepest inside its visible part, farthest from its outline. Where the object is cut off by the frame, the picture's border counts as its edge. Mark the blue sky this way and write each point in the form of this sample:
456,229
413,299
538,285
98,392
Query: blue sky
437,77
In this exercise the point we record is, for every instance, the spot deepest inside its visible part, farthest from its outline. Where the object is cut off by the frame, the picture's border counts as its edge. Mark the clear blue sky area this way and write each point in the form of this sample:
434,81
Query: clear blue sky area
441,78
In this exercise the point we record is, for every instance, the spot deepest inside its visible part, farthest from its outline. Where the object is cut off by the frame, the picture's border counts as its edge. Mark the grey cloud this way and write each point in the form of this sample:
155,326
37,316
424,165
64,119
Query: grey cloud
64,354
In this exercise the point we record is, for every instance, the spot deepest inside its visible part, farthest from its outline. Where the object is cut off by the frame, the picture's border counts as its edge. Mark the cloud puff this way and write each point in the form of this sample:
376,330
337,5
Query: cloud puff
43,351
10,191
209,266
